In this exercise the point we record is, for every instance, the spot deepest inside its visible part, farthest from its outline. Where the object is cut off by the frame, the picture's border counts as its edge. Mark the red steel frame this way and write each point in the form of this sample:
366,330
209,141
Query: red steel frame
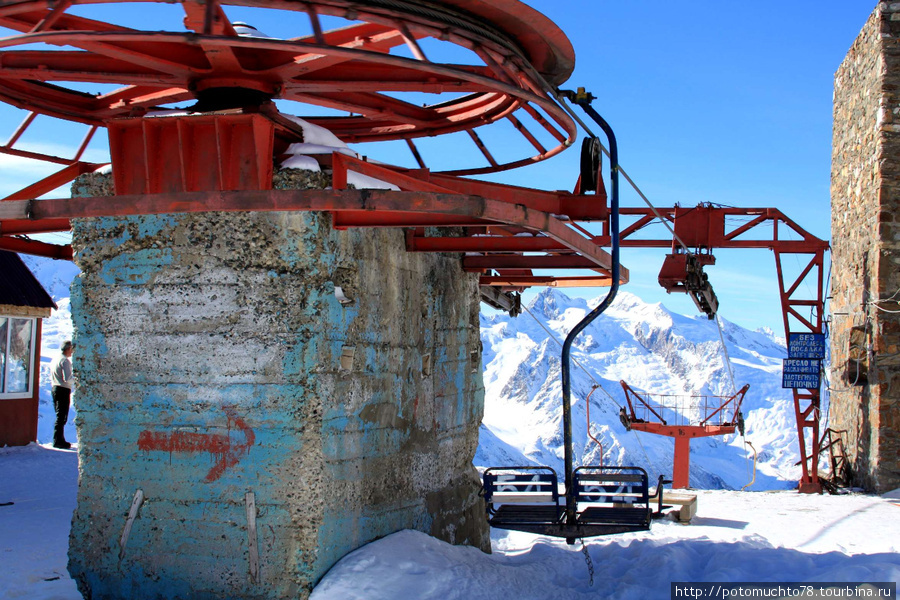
349,69
366,208
509,234
683,433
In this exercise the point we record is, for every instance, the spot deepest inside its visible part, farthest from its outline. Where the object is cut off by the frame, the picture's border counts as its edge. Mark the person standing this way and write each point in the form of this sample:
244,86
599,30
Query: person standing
62,378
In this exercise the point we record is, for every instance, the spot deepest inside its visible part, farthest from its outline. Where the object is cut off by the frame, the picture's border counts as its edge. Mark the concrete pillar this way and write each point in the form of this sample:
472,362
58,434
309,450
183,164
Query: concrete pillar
865,203
264,428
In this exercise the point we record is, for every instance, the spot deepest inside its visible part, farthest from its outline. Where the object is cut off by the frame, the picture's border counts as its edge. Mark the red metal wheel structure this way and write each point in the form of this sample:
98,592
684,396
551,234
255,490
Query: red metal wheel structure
373,78
204,61
349,69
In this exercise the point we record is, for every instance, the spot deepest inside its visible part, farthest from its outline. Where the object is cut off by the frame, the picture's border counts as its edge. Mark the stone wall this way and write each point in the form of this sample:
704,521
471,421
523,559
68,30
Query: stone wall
215,359
865,197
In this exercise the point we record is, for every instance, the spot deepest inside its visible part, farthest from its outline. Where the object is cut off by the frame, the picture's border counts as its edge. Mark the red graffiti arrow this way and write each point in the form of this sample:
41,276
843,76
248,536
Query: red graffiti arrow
219,445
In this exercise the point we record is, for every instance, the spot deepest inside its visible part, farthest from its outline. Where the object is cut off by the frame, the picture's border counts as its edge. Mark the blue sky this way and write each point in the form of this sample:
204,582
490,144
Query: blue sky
719,102
724,102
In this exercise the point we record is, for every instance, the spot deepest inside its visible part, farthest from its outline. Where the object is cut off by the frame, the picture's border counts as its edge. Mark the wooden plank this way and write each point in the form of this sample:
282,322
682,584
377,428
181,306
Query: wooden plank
8,310
584,476
686,502
599,491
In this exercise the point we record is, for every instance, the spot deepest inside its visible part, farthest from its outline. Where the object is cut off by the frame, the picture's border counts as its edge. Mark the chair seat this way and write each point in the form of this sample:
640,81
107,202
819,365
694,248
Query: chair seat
613,515
527,513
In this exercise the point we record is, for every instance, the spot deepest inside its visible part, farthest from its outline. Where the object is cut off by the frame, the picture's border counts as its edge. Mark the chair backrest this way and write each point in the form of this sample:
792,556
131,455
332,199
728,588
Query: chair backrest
522,485
609,485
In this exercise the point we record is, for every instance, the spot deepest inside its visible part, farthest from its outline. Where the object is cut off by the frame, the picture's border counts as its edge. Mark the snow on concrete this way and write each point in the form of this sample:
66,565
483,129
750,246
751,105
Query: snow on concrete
318,140
301,161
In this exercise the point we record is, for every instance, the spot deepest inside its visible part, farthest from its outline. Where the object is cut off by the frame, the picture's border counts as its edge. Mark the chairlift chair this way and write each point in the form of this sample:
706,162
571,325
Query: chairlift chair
595,500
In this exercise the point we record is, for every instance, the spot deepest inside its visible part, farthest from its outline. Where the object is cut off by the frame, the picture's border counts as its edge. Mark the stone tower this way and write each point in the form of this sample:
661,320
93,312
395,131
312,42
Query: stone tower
865,205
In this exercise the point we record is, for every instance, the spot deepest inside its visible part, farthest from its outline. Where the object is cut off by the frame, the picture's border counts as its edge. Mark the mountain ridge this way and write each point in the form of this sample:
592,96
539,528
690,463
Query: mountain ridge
654,350
647,345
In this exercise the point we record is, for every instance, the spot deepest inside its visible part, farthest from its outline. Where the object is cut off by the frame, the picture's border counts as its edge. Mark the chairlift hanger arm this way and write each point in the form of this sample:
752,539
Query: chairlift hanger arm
706,226
584,101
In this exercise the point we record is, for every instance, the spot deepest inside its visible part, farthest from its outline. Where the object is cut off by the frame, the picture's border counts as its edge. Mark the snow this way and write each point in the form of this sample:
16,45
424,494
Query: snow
247,30
361,182
318,135
751,536
301,161
740,537
654,350
307,148
40,483
318,140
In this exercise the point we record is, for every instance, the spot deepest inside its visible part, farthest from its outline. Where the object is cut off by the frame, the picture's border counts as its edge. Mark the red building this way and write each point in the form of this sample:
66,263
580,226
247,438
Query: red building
23,304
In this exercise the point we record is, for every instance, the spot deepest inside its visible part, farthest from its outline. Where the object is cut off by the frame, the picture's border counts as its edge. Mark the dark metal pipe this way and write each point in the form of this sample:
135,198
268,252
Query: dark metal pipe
571,508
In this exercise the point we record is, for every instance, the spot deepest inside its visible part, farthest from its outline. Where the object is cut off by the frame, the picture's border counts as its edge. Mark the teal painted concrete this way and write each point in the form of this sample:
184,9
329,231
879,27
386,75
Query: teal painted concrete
193,331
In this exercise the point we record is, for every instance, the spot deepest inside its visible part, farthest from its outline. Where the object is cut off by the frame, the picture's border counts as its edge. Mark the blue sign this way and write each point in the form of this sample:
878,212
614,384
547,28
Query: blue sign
801,373
798,380
802,366
806,345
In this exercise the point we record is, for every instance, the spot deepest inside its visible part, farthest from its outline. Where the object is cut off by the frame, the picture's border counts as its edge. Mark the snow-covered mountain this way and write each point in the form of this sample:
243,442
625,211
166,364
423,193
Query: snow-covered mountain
655,351
646,345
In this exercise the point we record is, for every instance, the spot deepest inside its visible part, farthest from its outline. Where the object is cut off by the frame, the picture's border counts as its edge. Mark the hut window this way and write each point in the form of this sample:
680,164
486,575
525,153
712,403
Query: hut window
16,357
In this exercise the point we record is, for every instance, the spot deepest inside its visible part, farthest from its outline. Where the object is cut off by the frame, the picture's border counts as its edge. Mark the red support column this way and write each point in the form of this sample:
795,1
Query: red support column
682,462
808,316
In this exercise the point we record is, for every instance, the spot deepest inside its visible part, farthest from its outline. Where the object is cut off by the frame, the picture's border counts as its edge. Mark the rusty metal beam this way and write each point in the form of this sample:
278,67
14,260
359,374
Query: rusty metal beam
719,236
51,182
483,244
35,248
347,219
523,281
310,200
28,227
505,301
527,261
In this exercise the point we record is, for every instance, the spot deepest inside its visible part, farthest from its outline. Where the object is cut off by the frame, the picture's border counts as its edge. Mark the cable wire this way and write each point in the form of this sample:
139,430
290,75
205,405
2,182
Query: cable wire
596,383
564,102
638,438
893,312
552,335
727,358
733,386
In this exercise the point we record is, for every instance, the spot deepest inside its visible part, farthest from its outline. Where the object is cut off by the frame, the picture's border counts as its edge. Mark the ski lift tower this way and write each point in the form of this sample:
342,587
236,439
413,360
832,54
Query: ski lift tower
682,418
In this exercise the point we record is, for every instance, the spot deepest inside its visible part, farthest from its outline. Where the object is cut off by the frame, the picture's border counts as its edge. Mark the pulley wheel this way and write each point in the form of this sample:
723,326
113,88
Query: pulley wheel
591,158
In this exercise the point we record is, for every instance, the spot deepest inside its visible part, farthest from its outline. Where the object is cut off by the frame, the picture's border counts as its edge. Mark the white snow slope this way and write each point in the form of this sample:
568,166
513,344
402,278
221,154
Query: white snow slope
56,276
654,351
737,537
